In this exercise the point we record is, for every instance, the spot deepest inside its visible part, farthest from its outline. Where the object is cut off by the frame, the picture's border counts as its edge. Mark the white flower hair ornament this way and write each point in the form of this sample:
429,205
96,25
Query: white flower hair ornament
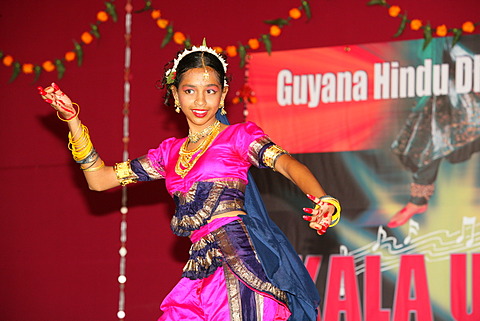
171,73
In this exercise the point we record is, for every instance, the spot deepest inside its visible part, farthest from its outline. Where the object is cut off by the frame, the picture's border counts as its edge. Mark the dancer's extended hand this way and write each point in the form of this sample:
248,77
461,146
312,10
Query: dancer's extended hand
319,217
58,100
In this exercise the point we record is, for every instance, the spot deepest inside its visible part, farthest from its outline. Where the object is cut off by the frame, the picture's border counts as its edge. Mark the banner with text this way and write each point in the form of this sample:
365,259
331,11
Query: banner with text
368,121
354,97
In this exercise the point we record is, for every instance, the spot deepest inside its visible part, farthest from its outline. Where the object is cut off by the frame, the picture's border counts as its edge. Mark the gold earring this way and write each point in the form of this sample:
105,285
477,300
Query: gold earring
177,106
222,107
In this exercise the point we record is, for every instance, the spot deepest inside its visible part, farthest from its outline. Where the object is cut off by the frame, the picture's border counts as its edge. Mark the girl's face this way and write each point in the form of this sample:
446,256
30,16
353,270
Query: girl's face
199,97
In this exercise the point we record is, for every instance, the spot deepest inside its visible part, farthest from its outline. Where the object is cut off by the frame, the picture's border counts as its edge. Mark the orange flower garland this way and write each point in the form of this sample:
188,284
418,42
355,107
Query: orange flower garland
253,43
417,24
48,66
442,30
179,38
70,56
7,60
468,27
393,11
86,38
275,30
295,13
102,16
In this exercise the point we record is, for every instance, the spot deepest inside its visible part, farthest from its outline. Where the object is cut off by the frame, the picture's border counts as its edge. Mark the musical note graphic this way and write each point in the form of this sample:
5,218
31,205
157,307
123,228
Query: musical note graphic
381,235
412,230
467,222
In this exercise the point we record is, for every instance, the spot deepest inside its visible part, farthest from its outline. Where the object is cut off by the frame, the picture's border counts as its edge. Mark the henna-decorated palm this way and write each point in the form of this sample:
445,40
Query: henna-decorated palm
58,100
321,215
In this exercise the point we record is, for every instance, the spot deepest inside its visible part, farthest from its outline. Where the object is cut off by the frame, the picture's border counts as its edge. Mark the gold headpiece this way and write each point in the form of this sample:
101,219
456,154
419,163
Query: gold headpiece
171,73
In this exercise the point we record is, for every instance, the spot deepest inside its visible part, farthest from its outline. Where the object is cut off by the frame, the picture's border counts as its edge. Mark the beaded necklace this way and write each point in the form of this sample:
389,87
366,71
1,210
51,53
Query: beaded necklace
195,137
188,158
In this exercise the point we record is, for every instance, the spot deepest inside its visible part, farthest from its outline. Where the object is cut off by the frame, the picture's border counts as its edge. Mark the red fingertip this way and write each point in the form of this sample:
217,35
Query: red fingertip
48,101
307,218
308,210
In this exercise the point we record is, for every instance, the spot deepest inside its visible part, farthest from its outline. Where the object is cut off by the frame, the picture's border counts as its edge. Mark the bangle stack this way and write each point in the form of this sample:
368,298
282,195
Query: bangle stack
83,151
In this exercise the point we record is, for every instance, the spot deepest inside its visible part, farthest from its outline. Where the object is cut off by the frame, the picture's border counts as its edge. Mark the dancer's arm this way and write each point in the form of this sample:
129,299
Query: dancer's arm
99,177
301,176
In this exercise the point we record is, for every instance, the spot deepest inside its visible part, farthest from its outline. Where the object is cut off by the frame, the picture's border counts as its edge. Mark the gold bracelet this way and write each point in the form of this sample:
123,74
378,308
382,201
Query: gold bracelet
333,201
94,169
71,118
124,173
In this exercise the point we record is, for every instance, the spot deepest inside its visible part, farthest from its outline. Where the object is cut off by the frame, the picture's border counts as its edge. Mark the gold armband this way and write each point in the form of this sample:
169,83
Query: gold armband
271,154
124,173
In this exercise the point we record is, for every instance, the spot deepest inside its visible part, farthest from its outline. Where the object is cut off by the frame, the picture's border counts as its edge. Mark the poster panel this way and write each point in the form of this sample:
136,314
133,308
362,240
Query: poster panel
371,121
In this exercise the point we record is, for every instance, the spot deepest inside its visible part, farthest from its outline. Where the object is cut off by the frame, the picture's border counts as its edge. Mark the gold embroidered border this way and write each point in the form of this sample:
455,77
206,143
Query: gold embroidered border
210,255
241,270
205,213
259,304
233,291
152,171
255,148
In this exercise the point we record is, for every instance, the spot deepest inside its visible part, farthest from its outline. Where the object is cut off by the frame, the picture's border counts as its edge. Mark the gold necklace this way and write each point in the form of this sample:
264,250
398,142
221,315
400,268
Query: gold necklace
188,158
195,137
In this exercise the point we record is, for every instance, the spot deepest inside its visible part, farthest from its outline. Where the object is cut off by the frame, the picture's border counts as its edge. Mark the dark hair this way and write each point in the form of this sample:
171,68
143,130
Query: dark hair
196,59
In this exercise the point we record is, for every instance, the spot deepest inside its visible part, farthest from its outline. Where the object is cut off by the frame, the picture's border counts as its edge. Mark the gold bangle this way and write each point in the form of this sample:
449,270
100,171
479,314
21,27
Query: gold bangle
71,118
94,169
333,201
124,173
